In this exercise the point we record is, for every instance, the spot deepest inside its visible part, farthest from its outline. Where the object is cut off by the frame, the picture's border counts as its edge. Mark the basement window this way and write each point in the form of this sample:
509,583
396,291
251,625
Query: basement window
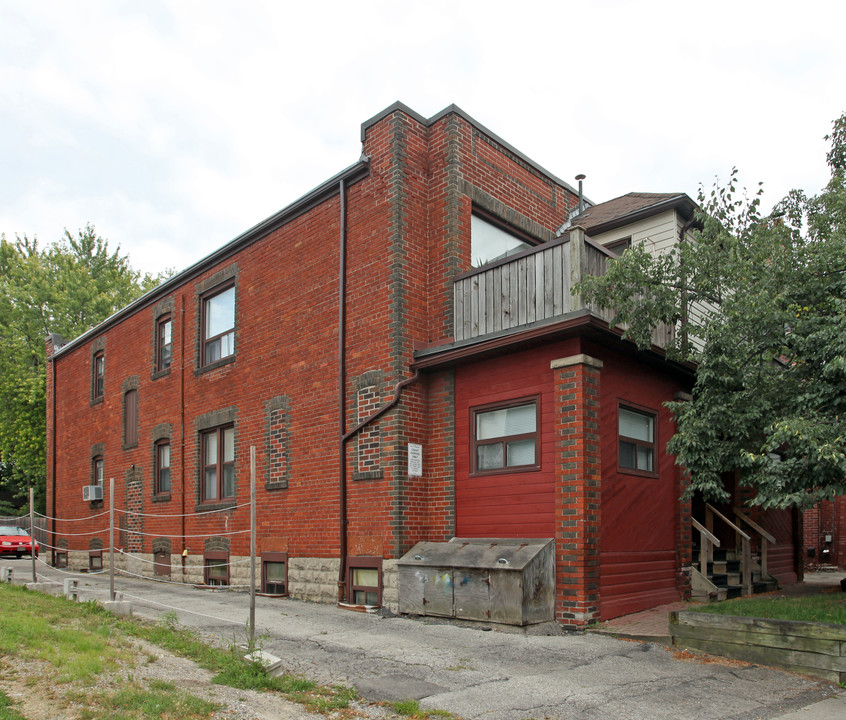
364,581
216,568
95,560
274,573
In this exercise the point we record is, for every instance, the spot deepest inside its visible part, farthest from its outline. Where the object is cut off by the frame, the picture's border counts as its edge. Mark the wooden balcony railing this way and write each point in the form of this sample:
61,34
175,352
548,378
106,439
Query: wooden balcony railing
532,287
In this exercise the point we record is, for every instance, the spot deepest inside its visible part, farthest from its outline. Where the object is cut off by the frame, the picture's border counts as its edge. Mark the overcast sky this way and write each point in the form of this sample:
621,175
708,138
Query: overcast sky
173,126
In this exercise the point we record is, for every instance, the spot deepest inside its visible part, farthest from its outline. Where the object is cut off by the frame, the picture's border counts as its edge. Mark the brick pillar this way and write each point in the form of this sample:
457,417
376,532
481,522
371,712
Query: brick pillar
577,489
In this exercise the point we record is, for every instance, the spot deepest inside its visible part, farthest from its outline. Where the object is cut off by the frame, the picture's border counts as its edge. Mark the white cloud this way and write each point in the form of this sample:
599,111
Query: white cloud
173,127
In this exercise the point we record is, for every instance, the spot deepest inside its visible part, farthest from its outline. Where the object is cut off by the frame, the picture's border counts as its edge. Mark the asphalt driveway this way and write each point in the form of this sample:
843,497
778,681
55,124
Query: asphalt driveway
475,671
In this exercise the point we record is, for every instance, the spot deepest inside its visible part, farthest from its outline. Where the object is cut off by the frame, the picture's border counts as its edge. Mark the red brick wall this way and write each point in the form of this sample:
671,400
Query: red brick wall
578,489
407,235
828,518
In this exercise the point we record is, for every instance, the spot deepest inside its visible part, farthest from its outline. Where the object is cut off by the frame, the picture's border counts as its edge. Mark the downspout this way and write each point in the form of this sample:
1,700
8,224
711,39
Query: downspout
387,406
342,580
184,551
342,381
344,436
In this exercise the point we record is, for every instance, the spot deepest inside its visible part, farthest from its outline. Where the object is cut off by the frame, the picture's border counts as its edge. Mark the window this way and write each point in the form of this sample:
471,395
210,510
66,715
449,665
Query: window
619,246
130,418
274,573
505,437
216,568
161,563
95,560
162,467
218,325
364,581
97,467
98,375
164,342
489,242
636,431
218,448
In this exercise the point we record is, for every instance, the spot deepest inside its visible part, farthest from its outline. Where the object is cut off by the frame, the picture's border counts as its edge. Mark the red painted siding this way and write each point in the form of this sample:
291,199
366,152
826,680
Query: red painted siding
640,515
520,504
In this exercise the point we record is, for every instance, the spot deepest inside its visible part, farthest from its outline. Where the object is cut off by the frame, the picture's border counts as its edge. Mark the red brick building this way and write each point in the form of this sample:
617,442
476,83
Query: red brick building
825,533
421,298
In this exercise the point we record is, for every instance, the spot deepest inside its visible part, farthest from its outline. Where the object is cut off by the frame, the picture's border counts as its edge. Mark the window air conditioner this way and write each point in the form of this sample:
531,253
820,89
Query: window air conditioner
92,492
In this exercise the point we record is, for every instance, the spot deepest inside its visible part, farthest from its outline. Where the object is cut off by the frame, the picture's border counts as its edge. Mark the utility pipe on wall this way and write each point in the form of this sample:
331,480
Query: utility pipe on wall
342,380
343,434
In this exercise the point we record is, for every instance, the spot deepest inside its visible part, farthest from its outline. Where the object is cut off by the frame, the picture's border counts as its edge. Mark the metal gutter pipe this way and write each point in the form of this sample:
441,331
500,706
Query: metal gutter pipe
342,381
343,435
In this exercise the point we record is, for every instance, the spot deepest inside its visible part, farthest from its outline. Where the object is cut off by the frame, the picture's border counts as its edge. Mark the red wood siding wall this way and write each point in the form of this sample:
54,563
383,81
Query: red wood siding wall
640,515
511,504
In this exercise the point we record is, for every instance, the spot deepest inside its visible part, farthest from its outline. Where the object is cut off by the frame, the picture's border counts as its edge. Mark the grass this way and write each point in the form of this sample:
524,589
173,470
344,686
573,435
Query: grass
156,700
81,641
411,709
6,710
823,608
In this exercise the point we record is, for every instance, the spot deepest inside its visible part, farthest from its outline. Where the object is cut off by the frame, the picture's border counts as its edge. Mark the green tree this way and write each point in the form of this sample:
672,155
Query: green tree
760,304
67,288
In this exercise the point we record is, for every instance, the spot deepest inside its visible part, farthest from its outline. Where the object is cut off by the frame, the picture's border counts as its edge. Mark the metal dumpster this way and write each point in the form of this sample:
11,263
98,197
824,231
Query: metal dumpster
504,580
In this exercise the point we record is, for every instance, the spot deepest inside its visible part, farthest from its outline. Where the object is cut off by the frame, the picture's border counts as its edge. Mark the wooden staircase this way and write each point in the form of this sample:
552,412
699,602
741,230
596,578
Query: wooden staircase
722,573
724,577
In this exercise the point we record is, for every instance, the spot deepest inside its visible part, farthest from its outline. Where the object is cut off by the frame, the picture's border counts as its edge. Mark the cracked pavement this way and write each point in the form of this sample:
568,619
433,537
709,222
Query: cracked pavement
477,671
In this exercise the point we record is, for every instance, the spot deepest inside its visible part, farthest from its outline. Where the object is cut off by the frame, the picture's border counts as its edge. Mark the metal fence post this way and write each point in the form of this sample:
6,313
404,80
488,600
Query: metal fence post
252,546
112,538
32,532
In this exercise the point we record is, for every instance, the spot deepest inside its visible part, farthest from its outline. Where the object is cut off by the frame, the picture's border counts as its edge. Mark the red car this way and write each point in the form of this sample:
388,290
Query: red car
16,541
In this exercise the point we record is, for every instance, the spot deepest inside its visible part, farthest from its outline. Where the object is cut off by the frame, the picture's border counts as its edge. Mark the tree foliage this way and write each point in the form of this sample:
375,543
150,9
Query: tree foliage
67,288
760,305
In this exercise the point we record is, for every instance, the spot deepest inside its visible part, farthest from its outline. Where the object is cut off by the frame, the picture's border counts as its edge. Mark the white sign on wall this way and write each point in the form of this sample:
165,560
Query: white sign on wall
415,460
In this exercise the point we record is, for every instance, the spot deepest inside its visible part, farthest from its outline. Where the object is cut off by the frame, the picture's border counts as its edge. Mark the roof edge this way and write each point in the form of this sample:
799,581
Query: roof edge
644,212
453,109
322,192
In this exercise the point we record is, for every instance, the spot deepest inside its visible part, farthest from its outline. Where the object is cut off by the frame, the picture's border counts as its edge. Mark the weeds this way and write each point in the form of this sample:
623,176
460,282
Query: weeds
158,700
411,709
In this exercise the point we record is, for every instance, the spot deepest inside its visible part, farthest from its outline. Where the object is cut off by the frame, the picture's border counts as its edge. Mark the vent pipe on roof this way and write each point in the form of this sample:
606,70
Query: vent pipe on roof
581,177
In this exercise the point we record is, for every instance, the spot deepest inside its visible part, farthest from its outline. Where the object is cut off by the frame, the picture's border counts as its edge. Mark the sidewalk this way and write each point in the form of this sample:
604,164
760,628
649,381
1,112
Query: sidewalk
653,626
